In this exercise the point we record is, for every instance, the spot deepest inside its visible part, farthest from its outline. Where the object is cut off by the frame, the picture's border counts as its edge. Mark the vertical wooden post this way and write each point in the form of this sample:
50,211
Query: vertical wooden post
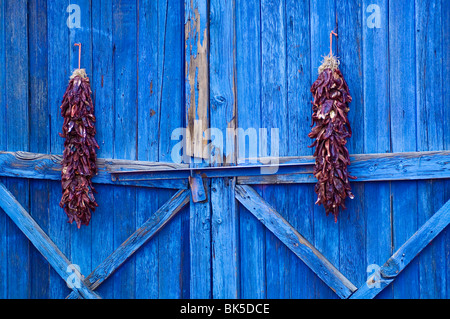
377,135
197,123
224,220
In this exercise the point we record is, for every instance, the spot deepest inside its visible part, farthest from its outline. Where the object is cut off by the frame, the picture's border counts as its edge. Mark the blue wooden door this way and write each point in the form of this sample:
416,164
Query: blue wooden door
158,67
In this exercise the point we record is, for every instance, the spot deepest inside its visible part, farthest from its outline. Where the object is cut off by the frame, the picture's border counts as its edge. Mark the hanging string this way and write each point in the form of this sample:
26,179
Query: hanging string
79,54
331,41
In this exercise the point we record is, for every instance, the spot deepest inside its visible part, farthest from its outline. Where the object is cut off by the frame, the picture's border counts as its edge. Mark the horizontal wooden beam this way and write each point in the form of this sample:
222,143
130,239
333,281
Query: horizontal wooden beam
284,170
251,200
295,170
44,166
404,255
151,227
41,241
365,167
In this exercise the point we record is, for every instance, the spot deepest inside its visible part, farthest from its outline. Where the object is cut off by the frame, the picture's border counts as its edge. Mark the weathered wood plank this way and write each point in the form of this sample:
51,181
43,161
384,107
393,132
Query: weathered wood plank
124,28
402,92
58,73
197,92
248,95
430,136
352,224
39,137
149,117
196,76
18,135
299,80
274,115
151,227
102,83
173,269
224,218
294,241
40,240
367,167
375,57
42,166
407,252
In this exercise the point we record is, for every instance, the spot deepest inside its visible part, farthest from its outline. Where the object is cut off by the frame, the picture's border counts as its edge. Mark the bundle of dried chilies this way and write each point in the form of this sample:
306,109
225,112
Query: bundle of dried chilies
79,158
330,131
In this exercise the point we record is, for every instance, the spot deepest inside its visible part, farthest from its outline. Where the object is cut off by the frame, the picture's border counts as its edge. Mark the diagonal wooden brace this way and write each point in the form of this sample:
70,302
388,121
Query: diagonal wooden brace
405,254
154,224
41,241
267,215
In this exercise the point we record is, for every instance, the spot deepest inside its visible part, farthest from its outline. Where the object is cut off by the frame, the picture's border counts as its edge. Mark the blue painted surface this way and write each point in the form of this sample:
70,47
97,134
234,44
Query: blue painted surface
135,55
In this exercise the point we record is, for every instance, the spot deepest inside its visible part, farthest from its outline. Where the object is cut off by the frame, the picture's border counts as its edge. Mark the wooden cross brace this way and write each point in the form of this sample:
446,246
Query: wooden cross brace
251,200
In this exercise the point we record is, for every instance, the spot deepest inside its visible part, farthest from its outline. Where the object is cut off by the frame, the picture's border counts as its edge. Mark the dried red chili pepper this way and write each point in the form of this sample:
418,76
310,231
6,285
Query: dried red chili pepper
79,158
331,129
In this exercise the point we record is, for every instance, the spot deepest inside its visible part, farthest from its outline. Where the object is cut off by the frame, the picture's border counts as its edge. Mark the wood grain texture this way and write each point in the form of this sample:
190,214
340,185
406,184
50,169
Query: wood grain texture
367,167
248,95
430,136
173,269
196,76
39,139
402,82
18,125
149,73
352,224
197,109
124,31
48,167
224,213
376,134
299,79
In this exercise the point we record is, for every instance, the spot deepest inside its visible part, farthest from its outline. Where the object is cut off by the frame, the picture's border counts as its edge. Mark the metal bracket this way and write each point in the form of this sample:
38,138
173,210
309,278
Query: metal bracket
198,190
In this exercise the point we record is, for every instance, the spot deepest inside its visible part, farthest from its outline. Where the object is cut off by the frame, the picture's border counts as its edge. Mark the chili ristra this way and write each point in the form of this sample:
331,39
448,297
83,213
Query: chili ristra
79,158
330,131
